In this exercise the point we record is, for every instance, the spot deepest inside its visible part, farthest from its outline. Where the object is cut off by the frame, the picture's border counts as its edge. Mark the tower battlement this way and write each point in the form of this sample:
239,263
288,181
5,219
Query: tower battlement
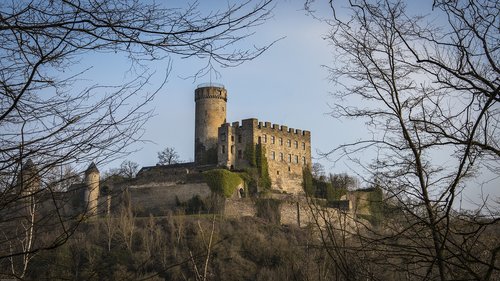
209,91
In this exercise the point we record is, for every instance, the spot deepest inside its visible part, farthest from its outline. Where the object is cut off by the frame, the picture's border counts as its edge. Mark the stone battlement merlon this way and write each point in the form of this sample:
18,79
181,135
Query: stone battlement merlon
210,92
283,129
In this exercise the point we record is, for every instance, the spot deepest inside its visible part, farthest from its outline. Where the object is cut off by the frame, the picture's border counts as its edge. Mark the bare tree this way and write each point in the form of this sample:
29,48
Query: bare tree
127,170
343,181
45,117
318,170
168,156
424,88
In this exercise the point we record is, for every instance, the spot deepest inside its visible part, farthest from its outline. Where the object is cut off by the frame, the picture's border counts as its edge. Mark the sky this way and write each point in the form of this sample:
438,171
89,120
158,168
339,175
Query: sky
286,85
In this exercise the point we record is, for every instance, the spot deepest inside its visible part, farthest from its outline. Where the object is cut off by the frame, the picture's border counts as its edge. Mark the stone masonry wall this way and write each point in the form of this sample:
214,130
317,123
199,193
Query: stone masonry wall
288,150
292,212
160,197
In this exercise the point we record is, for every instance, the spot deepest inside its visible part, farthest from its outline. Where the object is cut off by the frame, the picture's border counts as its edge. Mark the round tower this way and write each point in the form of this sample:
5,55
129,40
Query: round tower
210,114
28,180
92,189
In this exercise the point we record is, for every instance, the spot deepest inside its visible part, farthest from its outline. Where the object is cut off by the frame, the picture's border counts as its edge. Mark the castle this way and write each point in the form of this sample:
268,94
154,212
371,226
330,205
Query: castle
157,190
288,151
217,144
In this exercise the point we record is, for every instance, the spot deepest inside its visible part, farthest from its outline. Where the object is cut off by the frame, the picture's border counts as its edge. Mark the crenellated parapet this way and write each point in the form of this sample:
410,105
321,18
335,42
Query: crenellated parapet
283,129
210,92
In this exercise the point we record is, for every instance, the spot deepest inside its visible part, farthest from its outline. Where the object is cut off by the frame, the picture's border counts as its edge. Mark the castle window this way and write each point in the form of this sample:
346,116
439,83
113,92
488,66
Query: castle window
289,169
223,149
303,146
304,160
296,144
223,136
240,154
239,138
289,143
278,173
232,149
273,155
264,138
222,108
281,156
281,141
290,158
296,159
232,138
272,139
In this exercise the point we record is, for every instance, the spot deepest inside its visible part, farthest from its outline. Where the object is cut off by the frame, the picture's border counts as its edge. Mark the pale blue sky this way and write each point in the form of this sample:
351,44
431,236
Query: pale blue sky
286,85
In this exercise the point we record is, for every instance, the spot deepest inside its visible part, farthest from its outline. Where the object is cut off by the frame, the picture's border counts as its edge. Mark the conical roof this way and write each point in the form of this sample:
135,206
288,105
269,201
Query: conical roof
91,169
29,166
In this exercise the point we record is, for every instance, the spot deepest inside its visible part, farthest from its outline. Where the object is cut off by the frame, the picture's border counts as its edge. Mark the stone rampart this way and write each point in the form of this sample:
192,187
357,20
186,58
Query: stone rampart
159,198
298,212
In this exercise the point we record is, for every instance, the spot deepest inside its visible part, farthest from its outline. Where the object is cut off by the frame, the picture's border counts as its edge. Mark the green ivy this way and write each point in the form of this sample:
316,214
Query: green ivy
222,182
262,167
249,182
335,193
250,154
375,199
307,182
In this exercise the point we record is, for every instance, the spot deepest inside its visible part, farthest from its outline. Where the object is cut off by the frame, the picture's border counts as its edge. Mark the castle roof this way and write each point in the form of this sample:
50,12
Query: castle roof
29,166
91,169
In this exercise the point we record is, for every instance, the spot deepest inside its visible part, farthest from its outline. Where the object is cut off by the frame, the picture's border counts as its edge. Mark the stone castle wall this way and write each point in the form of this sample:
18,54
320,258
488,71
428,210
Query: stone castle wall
297,211
158,198
288,150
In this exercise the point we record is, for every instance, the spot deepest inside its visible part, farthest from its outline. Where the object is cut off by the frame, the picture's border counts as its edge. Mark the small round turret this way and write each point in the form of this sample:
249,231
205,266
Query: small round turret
28,180
92,189
210,114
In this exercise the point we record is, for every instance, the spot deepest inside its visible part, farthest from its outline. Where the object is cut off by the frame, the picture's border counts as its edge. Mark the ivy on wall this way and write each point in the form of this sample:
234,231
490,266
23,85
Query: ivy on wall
249,181
262,167
375,199
258,172
334,193
222,182
250,154
307,182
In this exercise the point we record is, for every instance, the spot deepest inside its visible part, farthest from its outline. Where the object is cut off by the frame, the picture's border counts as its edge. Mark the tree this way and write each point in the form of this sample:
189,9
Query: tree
129,169
168,156
46,115
318,170
343,181
423,87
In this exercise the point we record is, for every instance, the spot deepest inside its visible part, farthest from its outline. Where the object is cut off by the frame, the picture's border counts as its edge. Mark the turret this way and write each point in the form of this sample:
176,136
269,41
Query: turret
28,180
210,114
92,189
